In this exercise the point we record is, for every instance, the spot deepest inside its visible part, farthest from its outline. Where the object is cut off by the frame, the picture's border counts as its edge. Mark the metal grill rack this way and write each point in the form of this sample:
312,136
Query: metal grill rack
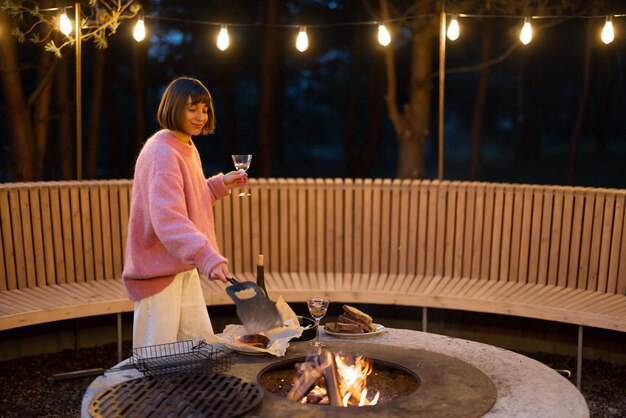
181,356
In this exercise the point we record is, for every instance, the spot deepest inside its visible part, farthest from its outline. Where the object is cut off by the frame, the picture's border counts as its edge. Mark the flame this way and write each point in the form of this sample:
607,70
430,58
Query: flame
352,374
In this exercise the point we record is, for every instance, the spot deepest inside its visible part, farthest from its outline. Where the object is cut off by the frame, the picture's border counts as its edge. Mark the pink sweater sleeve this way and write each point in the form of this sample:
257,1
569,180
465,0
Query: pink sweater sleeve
173,227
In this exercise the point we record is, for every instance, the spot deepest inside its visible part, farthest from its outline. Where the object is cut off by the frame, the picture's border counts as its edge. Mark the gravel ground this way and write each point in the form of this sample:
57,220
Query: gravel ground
27,391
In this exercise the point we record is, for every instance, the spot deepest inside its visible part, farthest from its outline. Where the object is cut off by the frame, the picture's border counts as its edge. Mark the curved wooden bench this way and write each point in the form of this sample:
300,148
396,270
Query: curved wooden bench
553,253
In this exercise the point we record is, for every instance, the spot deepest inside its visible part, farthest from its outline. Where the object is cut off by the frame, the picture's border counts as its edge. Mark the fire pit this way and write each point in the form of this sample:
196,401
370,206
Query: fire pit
455,377
434,384
385,382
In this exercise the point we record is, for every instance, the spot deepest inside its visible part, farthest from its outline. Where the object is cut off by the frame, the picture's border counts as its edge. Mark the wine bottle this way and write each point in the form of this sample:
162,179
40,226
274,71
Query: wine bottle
260,271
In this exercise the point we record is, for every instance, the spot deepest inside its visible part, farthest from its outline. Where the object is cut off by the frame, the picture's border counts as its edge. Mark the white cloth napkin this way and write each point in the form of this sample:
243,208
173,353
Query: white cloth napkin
279,336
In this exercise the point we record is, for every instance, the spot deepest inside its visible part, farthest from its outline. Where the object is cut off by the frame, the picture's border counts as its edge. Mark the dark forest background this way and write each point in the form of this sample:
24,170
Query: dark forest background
552,112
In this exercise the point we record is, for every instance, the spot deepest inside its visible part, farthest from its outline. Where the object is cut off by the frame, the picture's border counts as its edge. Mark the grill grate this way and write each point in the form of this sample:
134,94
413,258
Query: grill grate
181,356
184,395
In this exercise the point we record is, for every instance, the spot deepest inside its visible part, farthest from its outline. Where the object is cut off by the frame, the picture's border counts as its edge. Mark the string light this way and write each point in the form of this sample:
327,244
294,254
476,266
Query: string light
139,33
453,28
607,32
384,38
526,35
223,40
65,25
302,41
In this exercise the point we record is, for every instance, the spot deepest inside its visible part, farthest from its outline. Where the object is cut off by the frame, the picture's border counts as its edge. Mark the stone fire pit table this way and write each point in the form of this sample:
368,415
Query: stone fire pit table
525,387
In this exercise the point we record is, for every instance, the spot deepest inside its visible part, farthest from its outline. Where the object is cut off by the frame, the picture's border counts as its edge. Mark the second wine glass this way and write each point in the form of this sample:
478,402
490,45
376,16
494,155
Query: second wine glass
242,162
317,309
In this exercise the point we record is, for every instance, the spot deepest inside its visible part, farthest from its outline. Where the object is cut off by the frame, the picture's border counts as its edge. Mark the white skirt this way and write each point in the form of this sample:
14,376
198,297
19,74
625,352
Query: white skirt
176,313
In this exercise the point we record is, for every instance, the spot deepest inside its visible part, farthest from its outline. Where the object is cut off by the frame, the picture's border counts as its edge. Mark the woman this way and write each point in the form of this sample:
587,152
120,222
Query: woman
171,232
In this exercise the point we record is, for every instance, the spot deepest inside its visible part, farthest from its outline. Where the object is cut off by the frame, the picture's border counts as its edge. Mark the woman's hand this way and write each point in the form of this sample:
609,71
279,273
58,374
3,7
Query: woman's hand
220,272
237,178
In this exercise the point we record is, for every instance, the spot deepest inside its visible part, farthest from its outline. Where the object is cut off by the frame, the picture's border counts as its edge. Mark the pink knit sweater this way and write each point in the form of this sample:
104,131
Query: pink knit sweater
171,227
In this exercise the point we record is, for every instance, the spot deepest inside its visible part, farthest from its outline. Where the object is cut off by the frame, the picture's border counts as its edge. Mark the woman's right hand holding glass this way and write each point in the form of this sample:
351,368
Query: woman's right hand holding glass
236,178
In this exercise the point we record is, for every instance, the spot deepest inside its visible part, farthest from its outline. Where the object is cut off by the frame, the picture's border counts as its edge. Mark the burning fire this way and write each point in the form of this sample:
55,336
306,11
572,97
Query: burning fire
335,380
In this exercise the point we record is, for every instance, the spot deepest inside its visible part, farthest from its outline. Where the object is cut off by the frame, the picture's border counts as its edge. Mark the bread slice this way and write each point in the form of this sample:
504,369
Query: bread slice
357,314
330,326
365,327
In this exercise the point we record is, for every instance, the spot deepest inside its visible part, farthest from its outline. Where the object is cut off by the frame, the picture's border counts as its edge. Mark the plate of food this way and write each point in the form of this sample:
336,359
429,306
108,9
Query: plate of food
353,323
250,344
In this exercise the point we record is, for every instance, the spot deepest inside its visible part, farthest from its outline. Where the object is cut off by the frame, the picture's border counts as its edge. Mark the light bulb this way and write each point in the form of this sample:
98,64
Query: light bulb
302,41
223,41
526,35
139,33
607,32
383,35
65,25
453,29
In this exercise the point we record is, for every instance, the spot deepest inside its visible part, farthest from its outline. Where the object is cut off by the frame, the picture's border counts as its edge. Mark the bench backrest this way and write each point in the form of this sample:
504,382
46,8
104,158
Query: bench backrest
58,232
62,232
565,236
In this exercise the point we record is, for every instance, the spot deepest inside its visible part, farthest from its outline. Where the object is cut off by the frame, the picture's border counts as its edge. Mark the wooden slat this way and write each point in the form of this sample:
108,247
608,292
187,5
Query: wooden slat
8,251
413,216
97,226
459,228
311,226
25,235
566,238
596,236
516,234
477,233
617,242
545,235
448,263
66,228
18,238
77,234
105,217
431,230
116,230
320,223
376,226
468,234
367,227
275,232
403,226
238,241
555,238
577,227
535,235
585,242
339,230
349,230
86,228
49,275
422,228
395,219
440,231
507,233
605,245
36,211
497,233
284,225
621,274
487,231
302,228
385,227
525,240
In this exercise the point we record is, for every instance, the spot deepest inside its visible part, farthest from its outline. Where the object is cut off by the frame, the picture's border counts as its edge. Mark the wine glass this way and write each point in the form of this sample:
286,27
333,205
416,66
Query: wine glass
317,309
242,162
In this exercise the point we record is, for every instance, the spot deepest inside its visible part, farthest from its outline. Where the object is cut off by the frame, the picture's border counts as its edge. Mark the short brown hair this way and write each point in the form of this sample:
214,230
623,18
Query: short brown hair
175,99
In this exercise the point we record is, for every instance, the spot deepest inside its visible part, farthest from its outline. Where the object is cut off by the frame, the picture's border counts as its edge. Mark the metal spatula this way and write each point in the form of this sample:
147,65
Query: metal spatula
254,309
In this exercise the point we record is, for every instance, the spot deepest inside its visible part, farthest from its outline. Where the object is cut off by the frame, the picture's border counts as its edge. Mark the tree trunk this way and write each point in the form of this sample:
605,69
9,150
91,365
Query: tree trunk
93,132
21,164
267,91
353,101
582,108
119,166
479,105
66,151
41,100
375,100
412,125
